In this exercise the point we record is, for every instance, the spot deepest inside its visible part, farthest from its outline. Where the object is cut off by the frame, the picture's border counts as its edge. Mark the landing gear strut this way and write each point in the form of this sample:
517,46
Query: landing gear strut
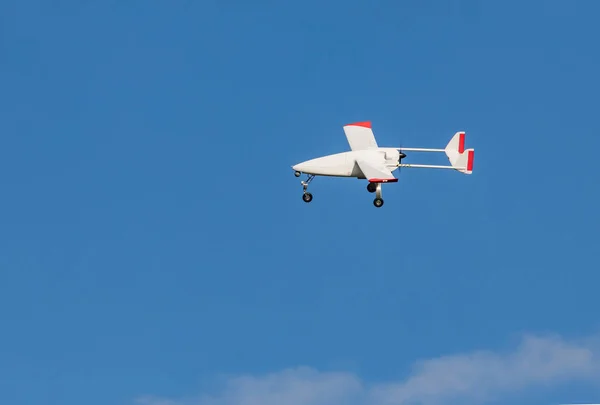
307,197
378,201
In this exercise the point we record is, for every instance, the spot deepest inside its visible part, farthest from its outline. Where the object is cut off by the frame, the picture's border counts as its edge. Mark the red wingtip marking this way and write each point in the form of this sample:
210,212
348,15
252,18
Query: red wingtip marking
470,160
364,124
383,180
461,142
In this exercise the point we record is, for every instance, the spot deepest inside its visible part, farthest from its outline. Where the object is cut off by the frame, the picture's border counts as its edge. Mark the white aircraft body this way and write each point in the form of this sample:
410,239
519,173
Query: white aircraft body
366,160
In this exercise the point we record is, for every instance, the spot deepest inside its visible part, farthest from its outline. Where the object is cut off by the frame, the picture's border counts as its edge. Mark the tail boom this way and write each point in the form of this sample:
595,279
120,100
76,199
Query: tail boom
461,159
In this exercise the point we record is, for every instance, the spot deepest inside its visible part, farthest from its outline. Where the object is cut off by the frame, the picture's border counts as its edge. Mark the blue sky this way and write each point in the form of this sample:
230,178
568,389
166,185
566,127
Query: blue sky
155,246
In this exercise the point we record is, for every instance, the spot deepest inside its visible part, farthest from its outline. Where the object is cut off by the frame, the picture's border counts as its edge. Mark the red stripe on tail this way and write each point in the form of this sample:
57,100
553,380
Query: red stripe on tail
470,160
461,143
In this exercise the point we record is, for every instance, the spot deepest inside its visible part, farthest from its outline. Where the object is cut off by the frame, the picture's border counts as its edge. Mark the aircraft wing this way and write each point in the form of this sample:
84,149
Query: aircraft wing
375,170
360,136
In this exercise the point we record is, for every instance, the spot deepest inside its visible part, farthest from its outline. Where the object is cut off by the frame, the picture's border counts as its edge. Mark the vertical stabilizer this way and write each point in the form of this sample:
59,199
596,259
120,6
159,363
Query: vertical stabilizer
460,159
455,147
464,162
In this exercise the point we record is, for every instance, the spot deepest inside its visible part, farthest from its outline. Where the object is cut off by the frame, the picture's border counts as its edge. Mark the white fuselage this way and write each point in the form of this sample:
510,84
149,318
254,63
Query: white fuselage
344,164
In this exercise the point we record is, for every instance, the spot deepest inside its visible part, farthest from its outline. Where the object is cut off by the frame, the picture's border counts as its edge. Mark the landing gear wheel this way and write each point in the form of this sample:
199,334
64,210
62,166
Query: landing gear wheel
371,187
307,197
378,202
297,174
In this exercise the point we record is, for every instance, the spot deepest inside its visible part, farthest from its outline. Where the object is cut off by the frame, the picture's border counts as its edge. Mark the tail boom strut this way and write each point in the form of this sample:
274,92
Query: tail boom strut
461,159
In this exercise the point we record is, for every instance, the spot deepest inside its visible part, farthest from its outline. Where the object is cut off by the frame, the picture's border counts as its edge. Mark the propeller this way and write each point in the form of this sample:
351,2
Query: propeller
402,156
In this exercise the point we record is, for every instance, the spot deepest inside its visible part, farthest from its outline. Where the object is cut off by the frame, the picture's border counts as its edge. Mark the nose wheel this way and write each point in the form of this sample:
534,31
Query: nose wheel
307,197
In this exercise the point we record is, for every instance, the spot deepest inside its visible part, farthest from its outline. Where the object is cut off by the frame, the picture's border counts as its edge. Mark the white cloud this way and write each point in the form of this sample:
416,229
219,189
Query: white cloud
471,377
